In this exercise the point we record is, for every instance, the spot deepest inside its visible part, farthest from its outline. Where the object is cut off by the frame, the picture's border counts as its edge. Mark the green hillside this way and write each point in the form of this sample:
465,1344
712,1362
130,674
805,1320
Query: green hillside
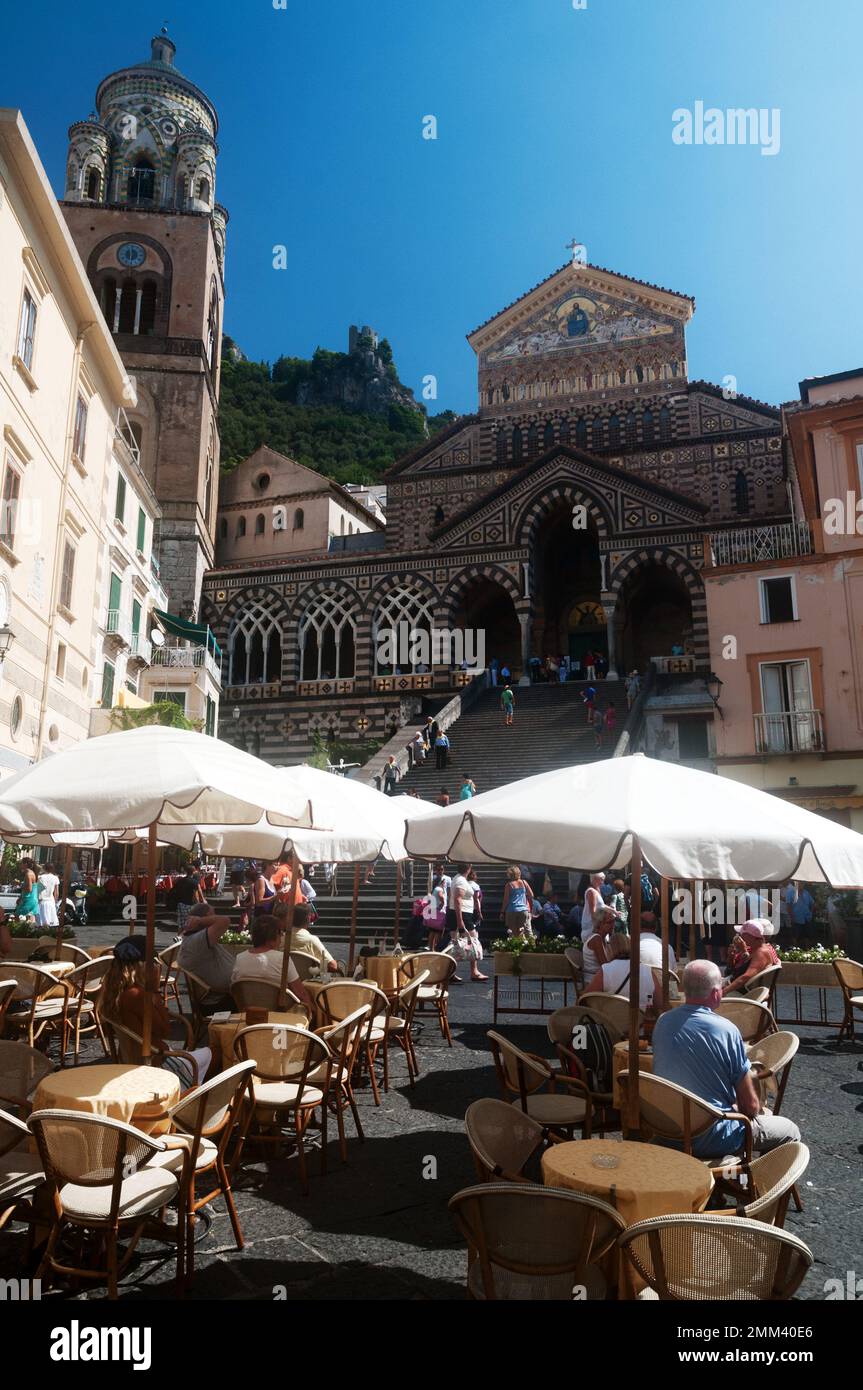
351,445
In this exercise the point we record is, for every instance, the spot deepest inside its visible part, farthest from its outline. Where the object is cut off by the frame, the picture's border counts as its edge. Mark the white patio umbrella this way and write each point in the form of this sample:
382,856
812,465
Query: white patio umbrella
365,825
155,779
605,815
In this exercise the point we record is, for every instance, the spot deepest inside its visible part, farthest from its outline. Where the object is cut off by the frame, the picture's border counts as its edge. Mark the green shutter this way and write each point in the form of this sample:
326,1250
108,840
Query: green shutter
142,529
136,617
120,508
116,594
107,686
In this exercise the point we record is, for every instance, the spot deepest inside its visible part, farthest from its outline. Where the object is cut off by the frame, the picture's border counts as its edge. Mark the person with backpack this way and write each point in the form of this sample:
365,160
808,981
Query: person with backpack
507,704
589,700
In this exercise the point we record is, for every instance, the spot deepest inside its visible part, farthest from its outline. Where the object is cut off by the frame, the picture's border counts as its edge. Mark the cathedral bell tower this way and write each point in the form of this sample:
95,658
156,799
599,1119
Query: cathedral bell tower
140,204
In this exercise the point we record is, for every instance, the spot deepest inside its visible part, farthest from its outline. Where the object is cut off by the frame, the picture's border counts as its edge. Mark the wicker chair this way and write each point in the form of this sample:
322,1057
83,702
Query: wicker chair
613,1009
344,1040
284,1056
8,990
773,1179
849,973
714,1257
38,1012
201,1001
760,995
20,1170
307,964
524,1075
399,1025
502,1140
575,960
338,1000
258,994
67,951
86,983
126,1045
532,1242
203,1122
169,966
767,978
676,1116
102,1181
753,1020
771,1058
440,969
21,1070
560,1027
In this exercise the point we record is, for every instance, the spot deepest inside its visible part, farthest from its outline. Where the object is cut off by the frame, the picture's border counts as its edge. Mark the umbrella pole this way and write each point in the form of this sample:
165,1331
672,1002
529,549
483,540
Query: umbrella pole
664,897
61,918
398,902
289,929
353,942
632,1127
679,929
150,969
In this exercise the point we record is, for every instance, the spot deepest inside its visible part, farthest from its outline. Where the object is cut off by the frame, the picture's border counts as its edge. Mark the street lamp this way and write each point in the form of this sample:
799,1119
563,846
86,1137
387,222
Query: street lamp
714,685
7,637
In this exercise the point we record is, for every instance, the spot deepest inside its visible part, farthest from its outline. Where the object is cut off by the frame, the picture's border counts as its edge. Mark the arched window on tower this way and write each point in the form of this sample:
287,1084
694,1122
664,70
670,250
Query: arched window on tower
614,431
213,329
548,435
665,423
406,604
128,307
204,191
255,647
299,519
260,524
564,430
147,316
581,432
532,441
182,192
597,433
241,528
647,427
223,529
93,182
142,183
517,445
741,493
327,638
631,428
500,447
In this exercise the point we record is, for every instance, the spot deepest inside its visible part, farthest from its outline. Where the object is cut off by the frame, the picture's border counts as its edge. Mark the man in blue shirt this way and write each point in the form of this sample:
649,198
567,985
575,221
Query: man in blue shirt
697,1049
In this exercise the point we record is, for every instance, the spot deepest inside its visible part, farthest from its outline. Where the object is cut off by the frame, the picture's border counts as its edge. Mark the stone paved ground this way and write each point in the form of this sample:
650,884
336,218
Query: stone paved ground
379,1227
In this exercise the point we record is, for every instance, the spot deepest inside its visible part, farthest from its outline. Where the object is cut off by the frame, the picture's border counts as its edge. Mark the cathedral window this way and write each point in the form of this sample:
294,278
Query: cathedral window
639,372
517,445
213,329
564,431
665,423
597,433
741,494
500,447
204,191
260,524
327,638
614,432
299,519
142,183
581,433
223,529
406,604
128,305
147,314
438,515
548,436
621,376
532,441
241,528
93,182
505,391
182,192
631,428
255,647
647,427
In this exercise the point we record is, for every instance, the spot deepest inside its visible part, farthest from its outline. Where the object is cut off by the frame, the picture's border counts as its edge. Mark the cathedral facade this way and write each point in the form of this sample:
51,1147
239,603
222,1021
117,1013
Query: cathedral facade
140,204
573,510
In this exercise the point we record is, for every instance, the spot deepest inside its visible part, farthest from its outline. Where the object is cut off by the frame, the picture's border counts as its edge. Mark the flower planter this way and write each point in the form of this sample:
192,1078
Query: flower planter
807,975
24,946
532,963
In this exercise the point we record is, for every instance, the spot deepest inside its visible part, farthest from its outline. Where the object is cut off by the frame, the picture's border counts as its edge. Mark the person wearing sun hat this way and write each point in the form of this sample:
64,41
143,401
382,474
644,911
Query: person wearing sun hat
749,954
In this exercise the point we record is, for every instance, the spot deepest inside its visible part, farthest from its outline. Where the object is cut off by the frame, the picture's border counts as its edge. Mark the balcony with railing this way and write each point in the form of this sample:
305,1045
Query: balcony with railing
118,630
748,545
187,658
790,731
140,649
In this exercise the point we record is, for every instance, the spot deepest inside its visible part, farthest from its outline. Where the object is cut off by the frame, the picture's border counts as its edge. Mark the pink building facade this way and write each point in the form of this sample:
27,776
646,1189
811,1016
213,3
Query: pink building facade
785,617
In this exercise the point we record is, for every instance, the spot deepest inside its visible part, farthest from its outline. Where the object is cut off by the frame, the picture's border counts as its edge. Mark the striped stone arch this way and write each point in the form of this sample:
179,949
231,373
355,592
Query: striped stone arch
495,573
256,593
542,503
404,578
678,565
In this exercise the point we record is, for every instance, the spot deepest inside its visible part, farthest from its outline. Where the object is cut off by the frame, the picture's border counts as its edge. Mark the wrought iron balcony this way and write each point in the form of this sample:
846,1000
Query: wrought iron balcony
790,731
747,545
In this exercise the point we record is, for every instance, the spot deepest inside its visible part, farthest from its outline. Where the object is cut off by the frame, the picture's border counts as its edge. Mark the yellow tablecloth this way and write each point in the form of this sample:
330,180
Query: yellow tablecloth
621,1063
383,971
221,1035
115,1091
647,1181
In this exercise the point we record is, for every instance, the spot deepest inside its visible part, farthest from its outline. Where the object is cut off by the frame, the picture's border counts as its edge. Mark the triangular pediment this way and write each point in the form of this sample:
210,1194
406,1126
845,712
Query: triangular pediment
580,306
629,504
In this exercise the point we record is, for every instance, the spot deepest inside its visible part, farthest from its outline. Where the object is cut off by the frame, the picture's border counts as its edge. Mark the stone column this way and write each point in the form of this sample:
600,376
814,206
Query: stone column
117,303
138,293
608,606
524,620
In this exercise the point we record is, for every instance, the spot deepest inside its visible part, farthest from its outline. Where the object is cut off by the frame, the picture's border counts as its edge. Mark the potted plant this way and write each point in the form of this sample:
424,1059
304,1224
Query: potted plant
809,968
514,955
27,931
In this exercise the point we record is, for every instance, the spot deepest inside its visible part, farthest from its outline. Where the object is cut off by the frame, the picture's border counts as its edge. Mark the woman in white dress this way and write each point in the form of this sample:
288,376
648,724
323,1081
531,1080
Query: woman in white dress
47,884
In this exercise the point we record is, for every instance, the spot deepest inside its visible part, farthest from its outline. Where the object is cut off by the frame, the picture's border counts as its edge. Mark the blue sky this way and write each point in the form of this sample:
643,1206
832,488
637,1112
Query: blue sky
552,122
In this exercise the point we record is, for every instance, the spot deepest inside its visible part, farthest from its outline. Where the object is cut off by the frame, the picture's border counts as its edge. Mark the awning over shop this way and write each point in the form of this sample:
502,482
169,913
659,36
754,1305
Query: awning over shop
200,635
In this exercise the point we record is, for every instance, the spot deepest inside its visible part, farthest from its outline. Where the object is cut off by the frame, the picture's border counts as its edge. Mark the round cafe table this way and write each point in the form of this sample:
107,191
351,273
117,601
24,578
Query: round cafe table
220,1036
115,1091
647,1180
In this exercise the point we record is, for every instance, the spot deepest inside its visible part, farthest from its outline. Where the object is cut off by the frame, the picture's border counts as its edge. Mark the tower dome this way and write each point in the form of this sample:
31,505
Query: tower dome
151,143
